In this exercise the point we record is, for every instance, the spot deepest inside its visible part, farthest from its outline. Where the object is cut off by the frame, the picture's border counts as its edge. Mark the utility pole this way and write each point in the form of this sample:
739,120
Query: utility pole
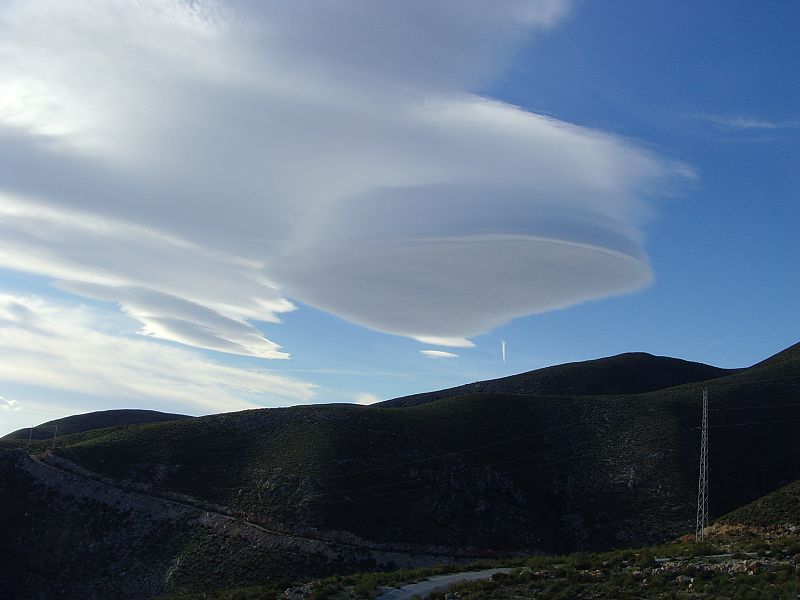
702,482
30,435
55,431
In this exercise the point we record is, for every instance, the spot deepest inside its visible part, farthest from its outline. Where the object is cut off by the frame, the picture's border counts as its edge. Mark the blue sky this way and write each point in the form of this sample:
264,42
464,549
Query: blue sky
214,216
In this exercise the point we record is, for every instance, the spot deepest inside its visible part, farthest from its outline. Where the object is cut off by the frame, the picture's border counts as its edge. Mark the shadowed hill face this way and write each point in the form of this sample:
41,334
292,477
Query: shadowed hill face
94,420
630,373
791,354
785,363
481,472
486,470
781,507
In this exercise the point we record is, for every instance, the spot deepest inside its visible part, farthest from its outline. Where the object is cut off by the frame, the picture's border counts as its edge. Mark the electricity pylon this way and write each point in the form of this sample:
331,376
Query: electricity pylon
702,482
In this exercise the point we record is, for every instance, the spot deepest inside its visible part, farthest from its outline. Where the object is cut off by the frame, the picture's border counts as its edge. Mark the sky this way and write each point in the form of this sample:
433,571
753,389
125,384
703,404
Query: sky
209,206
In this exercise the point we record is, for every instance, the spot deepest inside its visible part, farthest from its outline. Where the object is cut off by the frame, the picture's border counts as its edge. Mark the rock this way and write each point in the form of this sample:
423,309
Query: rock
753,567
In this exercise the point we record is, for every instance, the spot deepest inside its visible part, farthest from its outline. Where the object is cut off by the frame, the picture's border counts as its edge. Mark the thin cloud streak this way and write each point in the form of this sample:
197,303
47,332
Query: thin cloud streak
84,350
438,354
746,123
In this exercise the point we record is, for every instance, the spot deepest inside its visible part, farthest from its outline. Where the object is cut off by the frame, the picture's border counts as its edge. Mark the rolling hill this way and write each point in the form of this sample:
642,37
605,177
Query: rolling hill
481,473
630,373
93,420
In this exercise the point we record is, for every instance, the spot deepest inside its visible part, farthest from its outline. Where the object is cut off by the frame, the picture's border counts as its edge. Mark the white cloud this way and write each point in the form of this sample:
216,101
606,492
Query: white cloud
7,404
177,290
442,341
202,163
365,398
438,354
740,122
89,351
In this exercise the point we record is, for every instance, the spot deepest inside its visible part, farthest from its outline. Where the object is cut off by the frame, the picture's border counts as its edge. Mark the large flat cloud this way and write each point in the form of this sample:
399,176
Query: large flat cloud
203,164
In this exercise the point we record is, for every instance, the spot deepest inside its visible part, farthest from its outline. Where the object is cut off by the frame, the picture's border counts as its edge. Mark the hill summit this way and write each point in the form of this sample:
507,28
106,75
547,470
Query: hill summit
94,420
628,373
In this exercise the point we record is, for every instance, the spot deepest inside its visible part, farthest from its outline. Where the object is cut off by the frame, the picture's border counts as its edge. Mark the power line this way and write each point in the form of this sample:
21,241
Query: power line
436,485
490,444
438,472
508,472
754,406
481,467
755,423
466,450
644,408
487,465
460,480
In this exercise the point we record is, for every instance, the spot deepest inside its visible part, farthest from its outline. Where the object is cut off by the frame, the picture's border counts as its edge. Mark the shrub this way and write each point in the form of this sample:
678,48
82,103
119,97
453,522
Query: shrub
645,560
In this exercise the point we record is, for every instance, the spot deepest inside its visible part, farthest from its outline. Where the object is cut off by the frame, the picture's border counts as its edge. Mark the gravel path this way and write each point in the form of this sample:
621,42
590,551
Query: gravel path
437,583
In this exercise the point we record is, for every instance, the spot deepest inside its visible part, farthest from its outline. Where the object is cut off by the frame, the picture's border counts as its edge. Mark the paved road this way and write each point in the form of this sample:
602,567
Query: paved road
437,583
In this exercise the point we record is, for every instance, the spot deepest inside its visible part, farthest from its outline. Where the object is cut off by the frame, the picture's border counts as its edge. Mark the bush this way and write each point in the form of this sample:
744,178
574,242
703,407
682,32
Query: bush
579,560
645,560
364,588
324,592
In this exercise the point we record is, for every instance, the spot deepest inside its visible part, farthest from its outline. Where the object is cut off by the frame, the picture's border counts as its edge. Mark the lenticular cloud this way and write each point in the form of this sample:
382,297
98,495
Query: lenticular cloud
203,164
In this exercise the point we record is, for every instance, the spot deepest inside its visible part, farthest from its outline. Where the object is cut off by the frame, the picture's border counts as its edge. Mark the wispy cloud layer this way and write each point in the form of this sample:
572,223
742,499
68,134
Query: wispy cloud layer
89,351
203,164
176,289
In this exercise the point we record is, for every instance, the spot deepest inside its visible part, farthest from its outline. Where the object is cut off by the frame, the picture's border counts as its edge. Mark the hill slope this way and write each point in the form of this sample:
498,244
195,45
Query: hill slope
630,373
482,473
69,536
93,420
780,508
477,470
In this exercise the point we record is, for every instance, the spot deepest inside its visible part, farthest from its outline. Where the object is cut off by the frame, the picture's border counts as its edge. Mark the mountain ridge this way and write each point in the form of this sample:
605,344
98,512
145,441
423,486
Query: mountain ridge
627,373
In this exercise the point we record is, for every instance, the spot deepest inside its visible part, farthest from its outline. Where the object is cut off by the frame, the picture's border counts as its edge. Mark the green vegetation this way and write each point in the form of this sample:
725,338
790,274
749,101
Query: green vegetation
673,580
358,585
683,570
257,592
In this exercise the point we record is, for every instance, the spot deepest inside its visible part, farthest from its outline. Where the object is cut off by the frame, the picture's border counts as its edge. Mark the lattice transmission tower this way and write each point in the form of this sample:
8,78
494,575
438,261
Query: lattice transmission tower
702,482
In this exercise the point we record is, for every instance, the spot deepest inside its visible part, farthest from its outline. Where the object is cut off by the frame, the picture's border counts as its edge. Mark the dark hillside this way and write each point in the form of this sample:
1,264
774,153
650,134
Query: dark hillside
478,474
630,373
790,354
492,471
69,536
93,420
780,508
785,363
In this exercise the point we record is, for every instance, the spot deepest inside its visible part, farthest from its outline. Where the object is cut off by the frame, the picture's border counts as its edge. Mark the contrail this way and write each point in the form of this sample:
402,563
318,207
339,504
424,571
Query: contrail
503,350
